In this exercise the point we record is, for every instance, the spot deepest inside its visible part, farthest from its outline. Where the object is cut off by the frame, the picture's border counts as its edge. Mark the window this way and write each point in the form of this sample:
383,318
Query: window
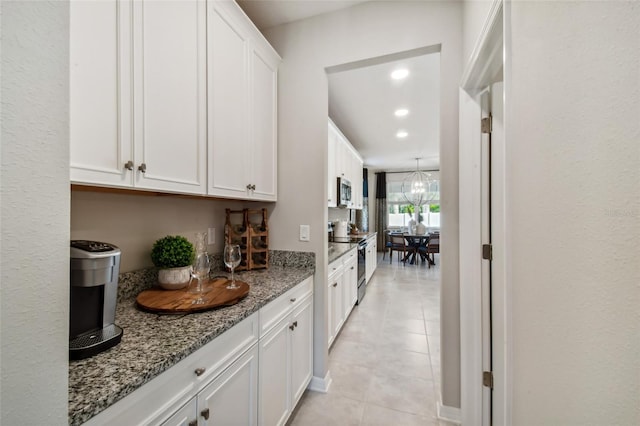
401,212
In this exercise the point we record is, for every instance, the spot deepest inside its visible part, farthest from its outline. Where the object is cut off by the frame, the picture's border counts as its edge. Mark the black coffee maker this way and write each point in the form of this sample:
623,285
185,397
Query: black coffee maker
94,290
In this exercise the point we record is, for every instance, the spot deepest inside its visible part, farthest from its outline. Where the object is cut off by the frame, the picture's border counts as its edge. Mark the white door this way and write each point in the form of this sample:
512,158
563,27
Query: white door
228,100
301,348
274,374
187,415
100,92
232,398
170,103
485,170
263,138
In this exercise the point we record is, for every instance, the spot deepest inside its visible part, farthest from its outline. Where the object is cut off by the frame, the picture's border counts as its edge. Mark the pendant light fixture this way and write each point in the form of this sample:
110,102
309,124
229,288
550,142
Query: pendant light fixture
417,187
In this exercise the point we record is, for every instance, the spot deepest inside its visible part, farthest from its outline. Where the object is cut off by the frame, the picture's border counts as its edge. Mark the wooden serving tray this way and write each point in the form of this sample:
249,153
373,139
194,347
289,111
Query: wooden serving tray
181,301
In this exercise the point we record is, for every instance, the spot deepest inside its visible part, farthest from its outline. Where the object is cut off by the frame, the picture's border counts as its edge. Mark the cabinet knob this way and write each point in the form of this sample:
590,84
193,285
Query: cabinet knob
249,186
205,413
291,327
295,323
142,167
200,371
293,299
193,422
352,268
128,165
253,186
335,284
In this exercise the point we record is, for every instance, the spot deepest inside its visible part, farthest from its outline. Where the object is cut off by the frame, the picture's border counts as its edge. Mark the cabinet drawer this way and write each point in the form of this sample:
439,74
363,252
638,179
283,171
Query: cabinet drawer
276,310
152,403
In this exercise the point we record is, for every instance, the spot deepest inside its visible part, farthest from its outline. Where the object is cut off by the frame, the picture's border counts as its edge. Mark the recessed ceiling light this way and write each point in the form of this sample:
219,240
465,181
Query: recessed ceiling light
402,134
401,112
399,74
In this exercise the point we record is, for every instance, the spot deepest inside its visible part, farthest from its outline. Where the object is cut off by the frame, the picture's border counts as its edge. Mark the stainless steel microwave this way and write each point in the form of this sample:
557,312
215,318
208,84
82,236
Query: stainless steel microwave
344,192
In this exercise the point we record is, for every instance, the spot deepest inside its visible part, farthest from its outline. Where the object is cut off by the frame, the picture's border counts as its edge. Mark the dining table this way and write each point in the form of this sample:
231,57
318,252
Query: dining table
416,242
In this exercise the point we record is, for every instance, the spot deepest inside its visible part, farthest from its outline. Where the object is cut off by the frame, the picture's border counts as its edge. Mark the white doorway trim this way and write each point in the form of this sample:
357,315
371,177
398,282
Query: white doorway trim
485,67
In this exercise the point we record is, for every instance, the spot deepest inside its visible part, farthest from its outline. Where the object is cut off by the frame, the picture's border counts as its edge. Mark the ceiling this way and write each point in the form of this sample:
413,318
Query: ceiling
363,97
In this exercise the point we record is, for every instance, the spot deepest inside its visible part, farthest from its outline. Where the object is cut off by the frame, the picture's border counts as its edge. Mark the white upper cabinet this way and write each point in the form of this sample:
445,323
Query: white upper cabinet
343,161
242,94
138,98
100,92
332,183
170,124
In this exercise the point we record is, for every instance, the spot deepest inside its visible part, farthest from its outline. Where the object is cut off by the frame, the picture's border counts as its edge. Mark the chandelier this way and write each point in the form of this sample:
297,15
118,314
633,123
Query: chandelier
417,187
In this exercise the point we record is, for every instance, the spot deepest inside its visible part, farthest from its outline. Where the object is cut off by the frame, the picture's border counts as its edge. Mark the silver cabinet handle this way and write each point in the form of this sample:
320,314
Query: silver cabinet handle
128,165
200,371
293,299
205,413
142,167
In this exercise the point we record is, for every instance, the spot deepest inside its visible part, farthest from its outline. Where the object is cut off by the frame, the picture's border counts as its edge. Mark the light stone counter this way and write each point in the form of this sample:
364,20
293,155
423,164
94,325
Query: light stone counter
152,343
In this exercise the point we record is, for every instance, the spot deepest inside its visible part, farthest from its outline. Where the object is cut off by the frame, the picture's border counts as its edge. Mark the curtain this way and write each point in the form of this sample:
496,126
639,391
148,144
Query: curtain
381,209
362,216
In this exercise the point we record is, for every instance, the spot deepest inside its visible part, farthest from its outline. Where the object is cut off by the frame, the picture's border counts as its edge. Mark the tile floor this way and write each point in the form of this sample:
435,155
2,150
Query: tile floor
385,363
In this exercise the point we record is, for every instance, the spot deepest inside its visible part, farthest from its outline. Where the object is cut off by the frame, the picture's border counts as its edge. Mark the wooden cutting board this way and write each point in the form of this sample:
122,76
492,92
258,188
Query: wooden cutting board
181,301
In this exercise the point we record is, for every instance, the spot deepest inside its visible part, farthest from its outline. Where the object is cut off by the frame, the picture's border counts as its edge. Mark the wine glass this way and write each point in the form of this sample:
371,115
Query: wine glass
232,258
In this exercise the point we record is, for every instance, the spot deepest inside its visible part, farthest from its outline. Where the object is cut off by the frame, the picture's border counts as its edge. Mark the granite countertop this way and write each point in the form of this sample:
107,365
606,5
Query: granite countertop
337,250
152,343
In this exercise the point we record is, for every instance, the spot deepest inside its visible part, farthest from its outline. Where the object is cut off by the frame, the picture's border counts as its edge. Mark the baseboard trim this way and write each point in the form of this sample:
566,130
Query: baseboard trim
320,384
449,414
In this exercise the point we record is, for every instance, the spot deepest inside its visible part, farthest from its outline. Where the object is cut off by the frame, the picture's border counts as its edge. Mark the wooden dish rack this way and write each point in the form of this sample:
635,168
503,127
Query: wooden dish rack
248,228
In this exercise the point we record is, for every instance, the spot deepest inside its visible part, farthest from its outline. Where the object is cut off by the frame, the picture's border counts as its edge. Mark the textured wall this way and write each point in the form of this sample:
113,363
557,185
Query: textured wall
573,155
34,290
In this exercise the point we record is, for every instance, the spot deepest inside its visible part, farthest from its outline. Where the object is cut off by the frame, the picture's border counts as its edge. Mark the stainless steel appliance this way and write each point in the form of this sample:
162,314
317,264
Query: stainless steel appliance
344,192
93,294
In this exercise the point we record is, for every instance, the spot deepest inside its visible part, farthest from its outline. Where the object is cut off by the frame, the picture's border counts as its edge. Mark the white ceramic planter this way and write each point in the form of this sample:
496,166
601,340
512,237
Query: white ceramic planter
174,278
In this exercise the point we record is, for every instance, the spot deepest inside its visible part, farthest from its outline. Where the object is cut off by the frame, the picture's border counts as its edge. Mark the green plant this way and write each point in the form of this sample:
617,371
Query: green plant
434,208
172,252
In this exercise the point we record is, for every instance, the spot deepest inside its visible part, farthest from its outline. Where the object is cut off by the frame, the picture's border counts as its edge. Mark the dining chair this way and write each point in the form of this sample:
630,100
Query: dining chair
433,247
399,244
387,243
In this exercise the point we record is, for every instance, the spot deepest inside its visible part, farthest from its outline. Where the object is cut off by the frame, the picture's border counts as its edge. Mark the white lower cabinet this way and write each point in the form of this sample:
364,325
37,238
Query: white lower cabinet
185,416
342,292
286,355
232,398
252,374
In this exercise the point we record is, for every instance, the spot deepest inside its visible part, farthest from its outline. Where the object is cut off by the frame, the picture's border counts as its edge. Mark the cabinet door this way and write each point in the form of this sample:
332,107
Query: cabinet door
263,138
232,398
274,375
301,349
350,286
170,103
336,312
100,92
185,416
228,93
331,166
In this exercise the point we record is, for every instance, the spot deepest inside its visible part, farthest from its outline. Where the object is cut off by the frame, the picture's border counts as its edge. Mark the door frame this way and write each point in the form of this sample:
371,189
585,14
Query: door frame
487,60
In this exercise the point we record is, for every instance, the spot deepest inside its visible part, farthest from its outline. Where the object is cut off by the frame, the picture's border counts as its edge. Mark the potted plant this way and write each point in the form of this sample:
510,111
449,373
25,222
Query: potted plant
173,255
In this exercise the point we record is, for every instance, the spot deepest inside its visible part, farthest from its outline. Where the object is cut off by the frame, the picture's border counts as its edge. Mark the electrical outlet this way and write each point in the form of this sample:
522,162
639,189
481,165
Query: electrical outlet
305,233
211,235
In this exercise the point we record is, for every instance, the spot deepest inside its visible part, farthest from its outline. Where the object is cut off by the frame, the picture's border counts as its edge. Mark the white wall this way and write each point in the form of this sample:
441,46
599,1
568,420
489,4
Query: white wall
368,30
34,290
573,173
